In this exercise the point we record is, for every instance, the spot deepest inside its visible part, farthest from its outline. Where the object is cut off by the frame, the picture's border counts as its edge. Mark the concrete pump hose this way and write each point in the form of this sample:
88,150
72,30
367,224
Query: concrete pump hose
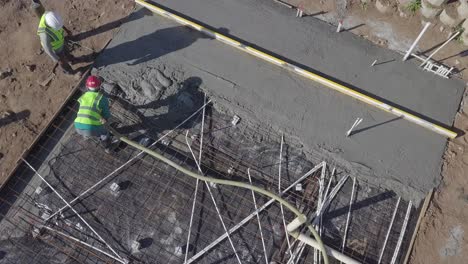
226,182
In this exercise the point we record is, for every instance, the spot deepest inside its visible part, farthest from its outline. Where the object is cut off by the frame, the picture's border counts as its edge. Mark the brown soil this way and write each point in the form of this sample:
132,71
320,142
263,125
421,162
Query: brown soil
25,106
441,237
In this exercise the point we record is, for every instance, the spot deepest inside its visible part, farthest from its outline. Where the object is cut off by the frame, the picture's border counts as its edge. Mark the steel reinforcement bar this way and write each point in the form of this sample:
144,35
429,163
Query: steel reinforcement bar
302,72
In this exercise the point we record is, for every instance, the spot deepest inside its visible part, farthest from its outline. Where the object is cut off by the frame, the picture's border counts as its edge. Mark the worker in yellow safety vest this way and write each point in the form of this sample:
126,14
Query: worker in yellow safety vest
51,33
93,113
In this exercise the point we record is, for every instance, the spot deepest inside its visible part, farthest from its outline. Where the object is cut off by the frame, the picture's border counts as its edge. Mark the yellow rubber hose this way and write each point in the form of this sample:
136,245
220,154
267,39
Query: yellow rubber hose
192,174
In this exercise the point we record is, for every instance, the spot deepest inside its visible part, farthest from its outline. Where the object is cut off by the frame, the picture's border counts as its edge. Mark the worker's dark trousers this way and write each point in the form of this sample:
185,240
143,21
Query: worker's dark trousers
100,132
65,59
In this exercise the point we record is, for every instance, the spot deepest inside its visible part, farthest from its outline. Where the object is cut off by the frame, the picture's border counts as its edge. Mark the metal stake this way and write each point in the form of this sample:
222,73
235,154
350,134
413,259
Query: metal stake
408,53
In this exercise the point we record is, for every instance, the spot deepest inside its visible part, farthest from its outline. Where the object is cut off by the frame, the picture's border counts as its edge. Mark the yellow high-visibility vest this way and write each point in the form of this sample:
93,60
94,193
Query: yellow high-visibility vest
89,112
57,36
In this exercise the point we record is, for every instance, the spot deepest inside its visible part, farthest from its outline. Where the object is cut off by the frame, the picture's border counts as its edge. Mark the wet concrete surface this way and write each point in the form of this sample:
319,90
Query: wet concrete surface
385,151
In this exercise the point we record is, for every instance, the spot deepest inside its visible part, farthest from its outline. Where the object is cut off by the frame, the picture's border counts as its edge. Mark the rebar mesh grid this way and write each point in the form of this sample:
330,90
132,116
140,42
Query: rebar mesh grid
153,206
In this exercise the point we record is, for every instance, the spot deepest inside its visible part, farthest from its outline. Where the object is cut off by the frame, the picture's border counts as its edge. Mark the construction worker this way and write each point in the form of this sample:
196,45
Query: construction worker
93,113
51,33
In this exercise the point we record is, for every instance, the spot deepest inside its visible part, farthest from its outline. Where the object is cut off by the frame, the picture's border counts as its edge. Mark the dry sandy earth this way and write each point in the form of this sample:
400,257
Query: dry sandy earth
33,105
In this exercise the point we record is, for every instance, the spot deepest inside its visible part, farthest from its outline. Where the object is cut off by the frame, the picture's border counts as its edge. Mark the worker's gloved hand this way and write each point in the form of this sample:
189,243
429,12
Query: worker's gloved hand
103,120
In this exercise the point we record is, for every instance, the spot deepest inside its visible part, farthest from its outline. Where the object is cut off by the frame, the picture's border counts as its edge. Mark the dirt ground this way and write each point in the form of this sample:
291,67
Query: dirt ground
26,106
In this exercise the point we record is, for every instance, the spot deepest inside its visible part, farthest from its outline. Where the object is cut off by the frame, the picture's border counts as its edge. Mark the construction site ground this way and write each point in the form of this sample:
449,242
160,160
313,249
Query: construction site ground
441,238
32,105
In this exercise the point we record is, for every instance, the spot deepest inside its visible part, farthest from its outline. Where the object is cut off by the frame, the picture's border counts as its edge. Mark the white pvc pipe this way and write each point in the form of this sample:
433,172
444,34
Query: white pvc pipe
348,218
317,216
215,205
319,207
258,219
340,24
439,48
355,124
389,230
279,191
402,233
250,216
74,211
196,184
329,199
408,53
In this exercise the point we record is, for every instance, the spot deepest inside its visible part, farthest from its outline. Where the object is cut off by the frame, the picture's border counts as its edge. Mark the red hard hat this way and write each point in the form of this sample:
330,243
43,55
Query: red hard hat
93,82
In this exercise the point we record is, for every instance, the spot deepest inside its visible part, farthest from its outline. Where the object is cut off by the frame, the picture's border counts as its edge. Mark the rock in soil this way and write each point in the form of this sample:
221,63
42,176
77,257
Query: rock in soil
5,73
31,67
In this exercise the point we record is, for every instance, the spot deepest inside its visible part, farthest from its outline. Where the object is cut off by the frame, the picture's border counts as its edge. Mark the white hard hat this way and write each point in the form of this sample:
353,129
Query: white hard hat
53,20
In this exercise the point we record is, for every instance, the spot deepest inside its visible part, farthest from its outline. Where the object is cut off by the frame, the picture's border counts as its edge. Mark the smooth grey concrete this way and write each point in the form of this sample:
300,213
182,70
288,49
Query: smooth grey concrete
385,150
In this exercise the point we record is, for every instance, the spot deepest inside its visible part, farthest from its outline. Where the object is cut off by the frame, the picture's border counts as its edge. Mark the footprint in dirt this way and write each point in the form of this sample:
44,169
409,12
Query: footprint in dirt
462,195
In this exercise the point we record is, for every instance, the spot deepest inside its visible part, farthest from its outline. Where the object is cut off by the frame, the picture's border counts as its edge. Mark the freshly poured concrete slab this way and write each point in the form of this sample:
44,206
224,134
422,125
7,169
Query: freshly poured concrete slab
385,150
315,44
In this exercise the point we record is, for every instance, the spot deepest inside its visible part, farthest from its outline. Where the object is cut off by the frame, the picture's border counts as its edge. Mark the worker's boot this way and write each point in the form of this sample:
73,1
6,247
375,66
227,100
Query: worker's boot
66,68
110,144
106,143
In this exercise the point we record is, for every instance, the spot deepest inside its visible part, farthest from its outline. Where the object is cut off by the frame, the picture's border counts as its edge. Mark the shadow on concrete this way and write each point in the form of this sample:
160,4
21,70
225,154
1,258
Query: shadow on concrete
111,25
144,48
14,117
374,126
384,62
361,204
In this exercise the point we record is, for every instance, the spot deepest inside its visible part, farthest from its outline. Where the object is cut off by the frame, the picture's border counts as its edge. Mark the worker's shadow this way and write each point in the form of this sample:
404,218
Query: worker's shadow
111,25
14,117
149,47
164,114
